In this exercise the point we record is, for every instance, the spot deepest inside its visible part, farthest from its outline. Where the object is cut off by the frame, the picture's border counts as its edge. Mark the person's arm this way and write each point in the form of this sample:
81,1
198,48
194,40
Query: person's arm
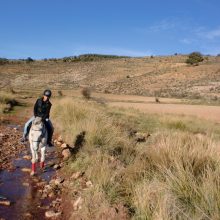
35,108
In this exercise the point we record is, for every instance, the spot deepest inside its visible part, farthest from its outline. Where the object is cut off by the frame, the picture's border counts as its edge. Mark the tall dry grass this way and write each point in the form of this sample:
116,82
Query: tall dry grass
178,170
5,97
174,175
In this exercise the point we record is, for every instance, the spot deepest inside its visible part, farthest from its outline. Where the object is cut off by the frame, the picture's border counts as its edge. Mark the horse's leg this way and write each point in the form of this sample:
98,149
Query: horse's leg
43,148
36,156
33,160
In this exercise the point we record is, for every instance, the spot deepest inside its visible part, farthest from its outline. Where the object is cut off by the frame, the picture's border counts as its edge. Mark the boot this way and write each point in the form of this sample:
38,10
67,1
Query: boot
33,169
50,144
42,165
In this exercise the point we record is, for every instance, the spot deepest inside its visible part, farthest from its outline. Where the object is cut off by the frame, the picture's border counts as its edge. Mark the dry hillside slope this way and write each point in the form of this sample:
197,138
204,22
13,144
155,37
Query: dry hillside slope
158,76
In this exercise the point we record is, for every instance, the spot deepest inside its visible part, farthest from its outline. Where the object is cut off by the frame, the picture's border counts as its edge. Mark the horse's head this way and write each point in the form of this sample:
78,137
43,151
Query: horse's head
37,131
37,121
37,124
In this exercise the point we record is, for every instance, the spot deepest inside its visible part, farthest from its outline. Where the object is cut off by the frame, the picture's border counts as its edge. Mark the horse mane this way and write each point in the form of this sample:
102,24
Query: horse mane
37,121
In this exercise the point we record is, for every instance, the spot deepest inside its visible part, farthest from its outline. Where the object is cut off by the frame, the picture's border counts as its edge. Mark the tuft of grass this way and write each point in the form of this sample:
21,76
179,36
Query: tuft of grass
6,97
177,165
7,101
2,108
177,125
60,93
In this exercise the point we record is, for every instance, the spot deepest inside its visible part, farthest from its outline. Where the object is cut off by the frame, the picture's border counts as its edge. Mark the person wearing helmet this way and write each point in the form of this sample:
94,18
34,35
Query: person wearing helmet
41,109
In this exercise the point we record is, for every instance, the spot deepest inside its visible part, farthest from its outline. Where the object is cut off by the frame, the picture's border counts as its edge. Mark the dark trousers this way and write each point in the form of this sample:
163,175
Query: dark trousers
50,130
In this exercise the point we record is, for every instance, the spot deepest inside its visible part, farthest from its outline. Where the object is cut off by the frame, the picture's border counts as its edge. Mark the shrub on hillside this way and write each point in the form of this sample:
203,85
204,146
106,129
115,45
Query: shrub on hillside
60,93
90,57
67,59
3,61
194,58
86,92
7,102
29,60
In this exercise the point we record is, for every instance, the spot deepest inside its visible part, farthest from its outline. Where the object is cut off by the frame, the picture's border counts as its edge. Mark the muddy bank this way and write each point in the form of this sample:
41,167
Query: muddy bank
10,146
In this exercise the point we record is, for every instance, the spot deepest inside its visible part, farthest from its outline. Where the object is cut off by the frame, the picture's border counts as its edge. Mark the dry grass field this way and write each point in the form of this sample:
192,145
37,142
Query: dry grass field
139,166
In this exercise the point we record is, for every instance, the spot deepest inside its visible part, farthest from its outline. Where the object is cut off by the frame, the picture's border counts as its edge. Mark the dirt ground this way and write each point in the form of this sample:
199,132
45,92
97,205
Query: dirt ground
147,104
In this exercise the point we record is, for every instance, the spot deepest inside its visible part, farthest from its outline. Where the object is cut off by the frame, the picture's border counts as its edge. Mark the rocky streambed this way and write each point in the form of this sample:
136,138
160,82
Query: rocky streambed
23,196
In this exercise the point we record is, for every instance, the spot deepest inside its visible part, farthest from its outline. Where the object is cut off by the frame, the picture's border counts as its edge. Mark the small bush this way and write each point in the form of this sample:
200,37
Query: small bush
12,91
67,59
29,60
86,92
3,61
157,100
194,58
60,93
177,125
7,102
3,107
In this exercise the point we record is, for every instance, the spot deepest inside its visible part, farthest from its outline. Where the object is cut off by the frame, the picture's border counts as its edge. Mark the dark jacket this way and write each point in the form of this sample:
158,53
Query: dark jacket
42,109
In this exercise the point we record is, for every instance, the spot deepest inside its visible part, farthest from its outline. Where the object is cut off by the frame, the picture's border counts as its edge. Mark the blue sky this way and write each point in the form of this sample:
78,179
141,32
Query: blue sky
58,28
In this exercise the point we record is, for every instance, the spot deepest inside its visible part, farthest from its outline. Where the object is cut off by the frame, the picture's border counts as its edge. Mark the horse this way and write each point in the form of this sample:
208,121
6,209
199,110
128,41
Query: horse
38,141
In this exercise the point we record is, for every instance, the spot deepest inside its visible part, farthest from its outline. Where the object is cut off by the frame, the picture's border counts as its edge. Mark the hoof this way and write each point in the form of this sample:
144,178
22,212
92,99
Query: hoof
32,173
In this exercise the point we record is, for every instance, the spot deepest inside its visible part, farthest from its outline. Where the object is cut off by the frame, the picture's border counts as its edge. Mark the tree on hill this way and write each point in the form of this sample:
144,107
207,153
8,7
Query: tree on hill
194,58
29,60
3,61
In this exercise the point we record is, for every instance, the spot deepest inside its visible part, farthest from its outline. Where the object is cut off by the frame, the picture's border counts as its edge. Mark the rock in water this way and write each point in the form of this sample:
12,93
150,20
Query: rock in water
27,157
56,166
26,170
52,214
5,202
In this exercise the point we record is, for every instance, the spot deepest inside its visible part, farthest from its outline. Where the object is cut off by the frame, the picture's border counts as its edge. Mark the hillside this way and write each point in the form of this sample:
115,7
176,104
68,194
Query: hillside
148,76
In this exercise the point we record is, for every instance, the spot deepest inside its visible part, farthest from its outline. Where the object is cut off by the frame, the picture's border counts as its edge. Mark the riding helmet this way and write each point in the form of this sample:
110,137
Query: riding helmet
47,93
